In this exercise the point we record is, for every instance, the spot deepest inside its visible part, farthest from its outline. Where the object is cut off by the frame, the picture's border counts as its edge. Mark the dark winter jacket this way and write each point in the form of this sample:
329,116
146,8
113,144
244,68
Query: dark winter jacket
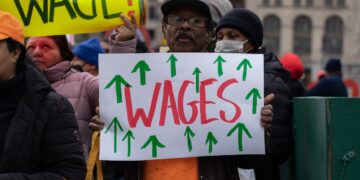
329,86
42,140
266,166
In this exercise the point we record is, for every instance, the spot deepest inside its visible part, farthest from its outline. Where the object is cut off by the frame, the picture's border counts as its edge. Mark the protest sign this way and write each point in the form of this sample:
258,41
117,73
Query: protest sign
170,105
57,17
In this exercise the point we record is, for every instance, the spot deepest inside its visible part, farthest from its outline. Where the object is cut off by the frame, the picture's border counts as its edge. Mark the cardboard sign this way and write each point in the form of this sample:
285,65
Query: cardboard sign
56,17
164,105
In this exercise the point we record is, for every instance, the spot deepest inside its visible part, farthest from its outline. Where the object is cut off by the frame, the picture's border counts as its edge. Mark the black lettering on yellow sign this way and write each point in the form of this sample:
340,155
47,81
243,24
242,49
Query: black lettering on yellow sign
47,10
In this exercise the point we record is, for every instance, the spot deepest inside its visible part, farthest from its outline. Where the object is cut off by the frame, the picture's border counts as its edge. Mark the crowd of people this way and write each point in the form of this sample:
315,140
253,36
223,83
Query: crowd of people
50,96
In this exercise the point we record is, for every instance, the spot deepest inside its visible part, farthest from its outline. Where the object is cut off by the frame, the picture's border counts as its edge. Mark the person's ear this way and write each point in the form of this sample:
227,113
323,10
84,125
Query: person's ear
16,54
163,29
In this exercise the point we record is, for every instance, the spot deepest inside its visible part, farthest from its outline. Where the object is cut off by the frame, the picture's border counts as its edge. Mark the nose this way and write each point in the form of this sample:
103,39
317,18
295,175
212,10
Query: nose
185,25
36,52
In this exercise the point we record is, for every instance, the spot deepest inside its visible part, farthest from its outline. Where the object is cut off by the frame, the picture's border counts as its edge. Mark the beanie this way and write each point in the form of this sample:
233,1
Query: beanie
89,51
333,65
247,22
292,63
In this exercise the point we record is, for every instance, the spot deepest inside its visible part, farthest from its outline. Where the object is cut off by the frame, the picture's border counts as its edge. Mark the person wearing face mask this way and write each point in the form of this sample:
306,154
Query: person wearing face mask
241,31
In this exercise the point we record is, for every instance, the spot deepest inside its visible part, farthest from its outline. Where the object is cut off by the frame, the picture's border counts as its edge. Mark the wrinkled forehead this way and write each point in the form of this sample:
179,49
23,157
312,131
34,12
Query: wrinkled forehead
40,40
186,11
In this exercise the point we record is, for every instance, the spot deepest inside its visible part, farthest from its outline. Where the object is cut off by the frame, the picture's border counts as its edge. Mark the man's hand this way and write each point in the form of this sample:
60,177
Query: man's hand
267,112
96,124
126,31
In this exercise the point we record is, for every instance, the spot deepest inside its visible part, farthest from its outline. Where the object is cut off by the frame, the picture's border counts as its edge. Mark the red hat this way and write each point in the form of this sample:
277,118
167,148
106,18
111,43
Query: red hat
293,64
10,27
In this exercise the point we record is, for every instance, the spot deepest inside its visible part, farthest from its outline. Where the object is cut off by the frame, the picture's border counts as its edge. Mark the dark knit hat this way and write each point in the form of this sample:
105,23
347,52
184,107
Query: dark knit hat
246,22
201,6
333,65
89,51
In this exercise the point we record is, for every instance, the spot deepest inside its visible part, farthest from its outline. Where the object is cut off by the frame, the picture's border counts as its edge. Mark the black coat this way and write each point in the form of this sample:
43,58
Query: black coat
266,166
43,140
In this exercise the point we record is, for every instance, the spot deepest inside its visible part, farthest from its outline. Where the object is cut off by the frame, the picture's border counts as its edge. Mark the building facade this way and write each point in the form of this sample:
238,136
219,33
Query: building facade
314,29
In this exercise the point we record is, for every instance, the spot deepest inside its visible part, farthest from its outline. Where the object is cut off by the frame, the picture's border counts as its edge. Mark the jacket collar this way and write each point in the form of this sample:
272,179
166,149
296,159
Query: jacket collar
57,71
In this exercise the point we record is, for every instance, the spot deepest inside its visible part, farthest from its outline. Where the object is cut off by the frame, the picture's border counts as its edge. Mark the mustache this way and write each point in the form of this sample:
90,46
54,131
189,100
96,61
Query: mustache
183,34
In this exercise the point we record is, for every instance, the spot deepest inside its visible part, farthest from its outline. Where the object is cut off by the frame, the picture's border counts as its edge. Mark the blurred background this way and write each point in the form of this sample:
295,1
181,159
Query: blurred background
314,29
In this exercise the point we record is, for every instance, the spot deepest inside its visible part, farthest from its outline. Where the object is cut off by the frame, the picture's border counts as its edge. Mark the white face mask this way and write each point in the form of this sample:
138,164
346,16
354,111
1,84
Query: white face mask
230,46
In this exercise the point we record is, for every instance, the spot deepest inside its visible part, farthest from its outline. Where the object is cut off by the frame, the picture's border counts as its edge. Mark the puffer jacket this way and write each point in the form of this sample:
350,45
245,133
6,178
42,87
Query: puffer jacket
279,141
82,90
42,141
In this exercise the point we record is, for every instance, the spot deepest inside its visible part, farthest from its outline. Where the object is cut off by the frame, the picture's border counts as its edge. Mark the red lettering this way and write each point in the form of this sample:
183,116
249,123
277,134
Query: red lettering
181,104
140,111
203,101
168,94
220,92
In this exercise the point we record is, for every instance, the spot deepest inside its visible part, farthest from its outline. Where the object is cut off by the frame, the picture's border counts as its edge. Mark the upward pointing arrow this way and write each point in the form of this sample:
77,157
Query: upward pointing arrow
172,59
197,78
256,95
118,80
129,135
154,143
219,60
142,66
117,125
244,63
189,134
210,139
241,128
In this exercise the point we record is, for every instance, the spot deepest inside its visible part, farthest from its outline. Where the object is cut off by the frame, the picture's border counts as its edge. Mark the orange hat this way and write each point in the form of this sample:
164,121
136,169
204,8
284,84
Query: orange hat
292,63
10,27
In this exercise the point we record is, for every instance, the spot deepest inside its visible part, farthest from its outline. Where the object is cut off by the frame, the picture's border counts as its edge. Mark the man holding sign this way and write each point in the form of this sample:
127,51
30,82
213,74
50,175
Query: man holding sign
187,27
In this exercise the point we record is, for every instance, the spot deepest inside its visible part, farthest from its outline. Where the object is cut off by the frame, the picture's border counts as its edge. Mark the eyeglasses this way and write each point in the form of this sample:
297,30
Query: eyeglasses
179,20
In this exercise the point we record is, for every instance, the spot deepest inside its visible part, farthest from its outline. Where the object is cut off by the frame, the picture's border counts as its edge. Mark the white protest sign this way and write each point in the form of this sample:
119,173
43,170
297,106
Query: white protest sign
171,105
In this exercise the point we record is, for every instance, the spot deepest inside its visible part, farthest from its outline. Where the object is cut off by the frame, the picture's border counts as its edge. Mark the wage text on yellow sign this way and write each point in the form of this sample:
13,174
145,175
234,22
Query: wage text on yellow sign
55,17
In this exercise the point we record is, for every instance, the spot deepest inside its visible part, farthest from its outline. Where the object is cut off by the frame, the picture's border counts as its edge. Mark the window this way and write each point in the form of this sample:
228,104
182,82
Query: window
266,2
328,3
152,12
333,36
302,35
309,3
272,27
278,2
341,3
297,2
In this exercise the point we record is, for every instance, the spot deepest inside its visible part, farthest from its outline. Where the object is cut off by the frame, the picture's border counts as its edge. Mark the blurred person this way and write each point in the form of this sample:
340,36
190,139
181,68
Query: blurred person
320,74
52,57
241,31
105,45
39,136
87,56
292,63
187,27
332,85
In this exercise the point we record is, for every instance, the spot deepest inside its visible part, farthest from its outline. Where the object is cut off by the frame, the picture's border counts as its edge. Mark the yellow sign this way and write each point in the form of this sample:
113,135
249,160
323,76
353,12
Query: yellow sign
56,17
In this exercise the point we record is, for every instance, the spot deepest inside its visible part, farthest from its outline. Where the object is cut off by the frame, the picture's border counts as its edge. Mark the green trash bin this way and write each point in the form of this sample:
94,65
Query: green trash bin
327,138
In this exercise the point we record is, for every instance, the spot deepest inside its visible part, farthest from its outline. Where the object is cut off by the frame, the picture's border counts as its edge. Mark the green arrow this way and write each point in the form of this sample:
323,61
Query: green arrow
128,136
244,63
197,78
219,60
117,125
189,134
143,67
241,128
256,95
172,59
154,143
210,139
118,80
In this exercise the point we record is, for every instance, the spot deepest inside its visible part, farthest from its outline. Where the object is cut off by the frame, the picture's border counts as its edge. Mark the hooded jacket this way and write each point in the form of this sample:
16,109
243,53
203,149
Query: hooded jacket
42,140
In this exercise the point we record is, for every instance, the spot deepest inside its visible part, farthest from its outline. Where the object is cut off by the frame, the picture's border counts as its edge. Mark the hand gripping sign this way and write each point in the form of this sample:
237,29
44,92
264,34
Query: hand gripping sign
164,105
56,17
